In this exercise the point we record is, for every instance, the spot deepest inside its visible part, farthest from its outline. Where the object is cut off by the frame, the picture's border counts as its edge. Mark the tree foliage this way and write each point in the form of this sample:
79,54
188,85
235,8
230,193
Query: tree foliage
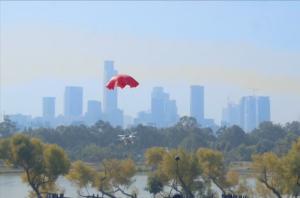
113,176
42,163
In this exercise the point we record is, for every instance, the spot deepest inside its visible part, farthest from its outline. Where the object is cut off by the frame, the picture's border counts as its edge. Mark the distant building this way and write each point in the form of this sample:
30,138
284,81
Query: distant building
253,110
171,113
94,112
128,121
248,109
231,115
158,100
197,103
21,121
263,109
73,101
110,98
163,110
48,108
143,118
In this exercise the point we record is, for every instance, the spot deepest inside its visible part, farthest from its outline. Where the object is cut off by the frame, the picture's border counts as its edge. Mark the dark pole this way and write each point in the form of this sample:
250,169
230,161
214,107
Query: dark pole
177,158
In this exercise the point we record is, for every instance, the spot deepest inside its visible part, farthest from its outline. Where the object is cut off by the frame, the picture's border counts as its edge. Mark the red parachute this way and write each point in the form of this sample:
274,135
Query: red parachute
121,80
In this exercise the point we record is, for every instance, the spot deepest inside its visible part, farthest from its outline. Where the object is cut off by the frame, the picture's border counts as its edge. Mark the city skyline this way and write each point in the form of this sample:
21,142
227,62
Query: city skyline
46,46
248,114
84,101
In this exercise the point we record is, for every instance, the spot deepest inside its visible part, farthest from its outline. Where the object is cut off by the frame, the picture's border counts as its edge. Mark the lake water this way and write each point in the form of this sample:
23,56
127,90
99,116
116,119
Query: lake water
11,186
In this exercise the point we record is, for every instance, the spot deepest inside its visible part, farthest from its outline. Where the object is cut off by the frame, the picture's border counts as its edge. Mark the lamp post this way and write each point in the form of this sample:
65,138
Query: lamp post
188,193
177,158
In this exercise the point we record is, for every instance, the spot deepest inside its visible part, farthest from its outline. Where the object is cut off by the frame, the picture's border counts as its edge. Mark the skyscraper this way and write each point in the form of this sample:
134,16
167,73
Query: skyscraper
94,111
158,98
73,101
231,115
48,107
110,97
163,110
248,113
197,103
253,111
263,109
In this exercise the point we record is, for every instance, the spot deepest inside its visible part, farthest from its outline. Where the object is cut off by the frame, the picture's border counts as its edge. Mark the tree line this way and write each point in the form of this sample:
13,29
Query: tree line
172,171
100,141
184,159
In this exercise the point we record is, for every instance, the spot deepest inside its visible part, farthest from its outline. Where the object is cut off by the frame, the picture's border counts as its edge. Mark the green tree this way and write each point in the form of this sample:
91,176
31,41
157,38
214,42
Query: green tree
154,184
154,156
7,127
42,163
82,175
268,168
118,175
212,164
230,138
178,168
291,163
113,176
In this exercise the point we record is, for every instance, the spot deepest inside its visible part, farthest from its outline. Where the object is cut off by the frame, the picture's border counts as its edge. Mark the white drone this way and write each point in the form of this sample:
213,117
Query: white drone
127,138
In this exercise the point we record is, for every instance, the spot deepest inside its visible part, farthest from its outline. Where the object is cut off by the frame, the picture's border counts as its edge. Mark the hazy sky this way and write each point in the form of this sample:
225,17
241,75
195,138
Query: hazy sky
229,47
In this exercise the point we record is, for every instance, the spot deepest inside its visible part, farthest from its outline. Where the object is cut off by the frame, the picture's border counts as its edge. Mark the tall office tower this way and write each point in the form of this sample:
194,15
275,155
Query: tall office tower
94,111
48,107
73,101
197,103
263,109
248,113
163,110
110,97
171,113
158,99
231,115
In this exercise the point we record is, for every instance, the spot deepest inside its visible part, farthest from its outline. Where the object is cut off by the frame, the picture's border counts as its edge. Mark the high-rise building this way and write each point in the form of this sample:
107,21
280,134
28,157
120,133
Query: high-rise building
248,113
110,97
158,98
73,101
263,109
94,111
171,113
253,111
163,110
197,103
144,118
48,107
231,115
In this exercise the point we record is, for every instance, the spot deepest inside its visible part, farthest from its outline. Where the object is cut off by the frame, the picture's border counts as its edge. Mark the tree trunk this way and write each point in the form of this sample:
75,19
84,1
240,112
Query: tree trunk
271,188
126,194
185,188
34,187
218,185
107,194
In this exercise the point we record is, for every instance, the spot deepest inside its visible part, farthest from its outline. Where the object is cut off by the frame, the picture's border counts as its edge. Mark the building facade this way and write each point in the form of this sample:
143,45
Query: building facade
48,107
197,103
94,112
73,101
111,112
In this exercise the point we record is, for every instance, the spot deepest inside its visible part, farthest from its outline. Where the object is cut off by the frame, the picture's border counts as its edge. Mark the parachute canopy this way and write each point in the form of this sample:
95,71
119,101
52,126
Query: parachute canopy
121,80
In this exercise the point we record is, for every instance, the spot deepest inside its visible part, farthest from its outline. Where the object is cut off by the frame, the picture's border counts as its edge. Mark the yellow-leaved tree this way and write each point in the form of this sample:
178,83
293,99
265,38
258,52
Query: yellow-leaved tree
269,171
42,163
291,166
113,176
